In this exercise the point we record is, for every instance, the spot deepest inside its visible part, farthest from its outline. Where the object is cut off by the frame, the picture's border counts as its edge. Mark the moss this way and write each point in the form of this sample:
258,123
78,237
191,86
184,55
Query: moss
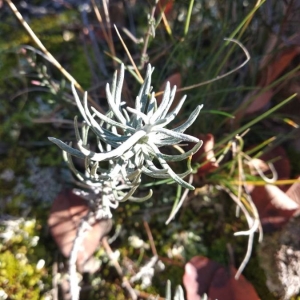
50,33
79,67
19,280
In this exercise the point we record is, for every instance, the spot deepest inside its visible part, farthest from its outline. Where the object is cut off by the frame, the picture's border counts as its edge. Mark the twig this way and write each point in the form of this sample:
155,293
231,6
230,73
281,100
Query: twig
164,18
131,36
107,19
145,295
49,56
252,228
108,38
129,56
82,228
184,195
125,282
144,56
150,238
97,54
55,279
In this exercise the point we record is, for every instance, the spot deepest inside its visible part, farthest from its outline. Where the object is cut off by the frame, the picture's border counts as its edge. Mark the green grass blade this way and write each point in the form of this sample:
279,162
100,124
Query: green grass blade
188,18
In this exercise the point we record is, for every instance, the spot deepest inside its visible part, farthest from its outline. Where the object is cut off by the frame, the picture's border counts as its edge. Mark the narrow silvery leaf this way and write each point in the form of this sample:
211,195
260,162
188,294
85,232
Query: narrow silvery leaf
168,290
189,121
172,97
143,94
151,165
66,147
126,115
177,135
85,132
176,110
79,105
93,122
164,103
119,86
134,175
183,156
152,105
141,199
129,194
100,147
164,176
179,294
77,134
154,169
113,106
116,152
163,141
68,158
114,83
172,174
110,121
177,178
94,169
139,114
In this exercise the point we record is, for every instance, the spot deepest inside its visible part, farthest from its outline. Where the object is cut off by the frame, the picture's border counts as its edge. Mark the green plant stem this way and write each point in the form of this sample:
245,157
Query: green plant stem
251,123
188,18
241,28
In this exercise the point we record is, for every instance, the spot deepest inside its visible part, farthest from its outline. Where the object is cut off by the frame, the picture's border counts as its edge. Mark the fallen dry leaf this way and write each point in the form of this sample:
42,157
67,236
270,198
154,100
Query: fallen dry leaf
205,155
258,102
279,209
224,286
294,191
66,213
205,276
270,70
275,204
199,272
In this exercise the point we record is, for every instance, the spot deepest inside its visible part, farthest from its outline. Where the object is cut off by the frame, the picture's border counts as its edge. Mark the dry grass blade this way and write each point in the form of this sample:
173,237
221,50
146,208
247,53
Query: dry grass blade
107,35
141,80
125,282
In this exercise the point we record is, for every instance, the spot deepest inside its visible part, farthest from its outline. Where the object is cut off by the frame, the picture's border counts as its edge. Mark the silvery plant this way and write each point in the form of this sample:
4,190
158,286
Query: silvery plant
128,142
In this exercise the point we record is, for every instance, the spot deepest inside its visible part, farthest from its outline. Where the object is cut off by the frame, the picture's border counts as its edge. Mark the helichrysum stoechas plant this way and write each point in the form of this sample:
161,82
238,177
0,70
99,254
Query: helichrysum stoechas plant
129,140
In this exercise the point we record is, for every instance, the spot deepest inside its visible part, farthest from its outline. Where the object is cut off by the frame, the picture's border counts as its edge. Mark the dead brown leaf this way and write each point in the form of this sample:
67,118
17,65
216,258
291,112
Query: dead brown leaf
270,70
224,286
275,204
199,272
205,276
205,155
67,211
258,102
294,191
